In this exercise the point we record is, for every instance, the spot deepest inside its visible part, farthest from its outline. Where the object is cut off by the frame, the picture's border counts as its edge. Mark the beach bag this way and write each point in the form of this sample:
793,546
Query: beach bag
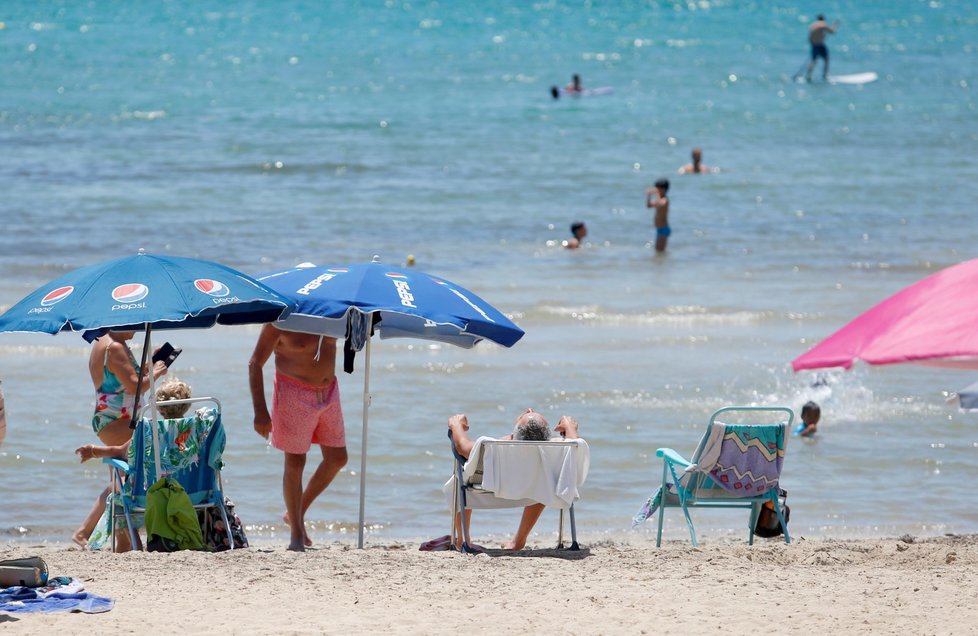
768,525
29,572
212,527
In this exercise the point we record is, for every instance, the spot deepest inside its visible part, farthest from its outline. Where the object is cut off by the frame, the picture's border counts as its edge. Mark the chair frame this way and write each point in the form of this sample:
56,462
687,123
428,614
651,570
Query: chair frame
460,500
686,497
119,468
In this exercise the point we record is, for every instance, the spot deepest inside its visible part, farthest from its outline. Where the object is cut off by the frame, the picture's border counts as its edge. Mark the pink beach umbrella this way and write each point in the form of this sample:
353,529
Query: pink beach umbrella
933,322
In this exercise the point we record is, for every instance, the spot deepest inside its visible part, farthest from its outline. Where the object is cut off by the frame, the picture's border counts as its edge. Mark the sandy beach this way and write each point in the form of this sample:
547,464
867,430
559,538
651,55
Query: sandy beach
881,586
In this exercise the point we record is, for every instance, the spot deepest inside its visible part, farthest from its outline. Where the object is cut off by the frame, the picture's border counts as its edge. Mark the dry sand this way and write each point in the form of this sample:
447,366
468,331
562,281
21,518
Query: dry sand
881,586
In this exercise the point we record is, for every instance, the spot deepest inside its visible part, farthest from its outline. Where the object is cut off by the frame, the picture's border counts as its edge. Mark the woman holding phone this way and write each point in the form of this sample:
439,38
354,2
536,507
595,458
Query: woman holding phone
115,374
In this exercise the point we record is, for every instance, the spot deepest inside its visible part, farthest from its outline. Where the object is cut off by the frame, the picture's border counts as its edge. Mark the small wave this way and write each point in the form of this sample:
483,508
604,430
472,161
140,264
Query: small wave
680,315
276,166
147,115
43,351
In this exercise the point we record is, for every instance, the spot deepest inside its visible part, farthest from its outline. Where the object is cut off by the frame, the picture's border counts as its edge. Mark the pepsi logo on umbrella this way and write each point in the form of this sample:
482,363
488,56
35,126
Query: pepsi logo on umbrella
212,287
56,296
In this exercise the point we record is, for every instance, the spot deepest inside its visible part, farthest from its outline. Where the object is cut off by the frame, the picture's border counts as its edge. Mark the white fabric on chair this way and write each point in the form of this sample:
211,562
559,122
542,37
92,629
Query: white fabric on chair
520,473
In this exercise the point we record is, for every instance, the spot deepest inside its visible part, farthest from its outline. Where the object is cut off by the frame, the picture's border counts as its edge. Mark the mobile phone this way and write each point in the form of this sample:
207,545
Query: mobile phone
167,354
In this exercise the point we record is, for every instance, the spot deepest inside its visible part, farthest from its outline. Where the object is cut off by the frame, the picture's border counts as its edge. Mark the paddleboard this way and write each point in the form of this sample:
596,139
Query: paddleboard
854,78
588,92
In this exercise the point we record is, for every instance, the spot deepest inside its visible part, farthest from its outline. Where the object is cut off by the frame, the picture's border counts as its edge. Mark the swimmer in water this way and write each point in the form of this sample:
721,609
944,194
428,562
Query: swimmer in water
578,232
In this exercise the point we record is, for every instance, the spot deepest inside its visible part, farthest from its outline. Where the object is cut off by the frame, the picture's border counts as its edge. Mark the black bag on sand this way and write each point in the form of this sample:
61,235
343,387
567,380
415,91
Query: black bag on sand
768,525
212,527
29,572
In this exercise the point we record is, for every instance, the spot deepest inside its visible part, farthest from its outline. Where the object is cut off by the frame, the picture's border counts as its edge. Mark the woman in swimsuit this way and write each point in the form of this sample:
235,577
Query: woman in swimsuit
114,372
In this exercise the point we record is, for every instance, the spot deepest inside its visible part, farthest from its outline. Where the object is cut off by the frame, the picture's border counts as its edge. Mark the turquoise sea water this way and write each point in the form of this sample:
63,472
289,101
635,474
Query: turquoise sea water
268,134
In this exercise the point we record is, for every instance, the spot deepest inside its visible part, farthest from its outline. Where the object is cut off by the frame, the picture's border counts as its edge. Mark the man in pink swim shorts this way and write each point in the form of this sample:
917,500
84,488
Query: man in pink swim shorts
305,411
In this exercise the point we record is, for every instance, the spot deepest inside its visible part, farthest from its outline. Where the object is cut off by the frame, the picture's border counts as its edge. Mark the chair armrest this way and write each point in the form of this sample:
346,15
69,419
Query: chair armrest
671,456
118,464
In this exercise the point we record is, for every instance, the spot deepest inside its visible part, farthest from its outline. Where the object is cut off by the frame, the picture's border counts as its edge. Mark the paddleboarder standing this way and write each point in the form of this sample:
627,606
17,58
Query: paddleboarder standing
817,32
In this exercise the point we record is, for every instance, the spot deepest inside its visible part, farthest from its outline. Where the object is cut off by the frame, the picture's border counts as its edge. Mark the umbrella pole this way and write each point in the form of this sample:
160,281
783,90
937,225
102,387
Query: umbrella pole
152,407
363,435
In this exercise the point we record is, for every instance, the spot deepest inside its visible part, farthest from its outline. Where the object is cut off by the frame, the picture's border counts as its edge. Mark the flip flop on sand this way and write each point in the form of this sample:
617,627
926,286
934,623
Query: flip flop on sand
437,545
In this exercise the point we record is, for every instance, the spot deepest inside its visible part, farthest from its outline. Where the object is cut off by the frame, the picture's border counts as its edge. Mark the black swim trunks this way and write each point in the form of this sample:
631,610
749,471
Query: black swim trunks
819,51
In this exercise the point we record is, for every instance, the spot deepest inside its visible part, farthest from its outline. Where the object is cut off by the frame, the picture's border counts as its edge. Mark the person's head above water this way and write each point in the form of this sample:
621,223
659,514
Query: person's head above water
662,184
578,229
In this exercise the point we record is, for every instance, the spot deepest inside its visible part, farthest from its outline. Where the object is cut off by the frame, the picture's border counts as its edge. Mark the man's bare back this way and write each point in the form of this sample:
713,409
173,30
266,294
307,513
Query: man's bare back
818,30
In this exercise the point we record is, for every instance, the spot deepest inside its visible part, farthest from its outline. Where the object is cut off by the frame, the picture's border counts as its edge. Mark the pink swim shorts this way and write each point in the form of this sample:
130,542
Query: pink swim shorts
304,415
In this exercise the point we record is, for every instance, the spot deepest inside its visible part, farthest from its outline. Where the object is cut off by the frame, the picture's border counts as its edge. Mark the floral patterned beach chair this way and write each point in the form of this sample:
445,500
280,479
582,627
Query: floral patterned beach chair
191,453
734,466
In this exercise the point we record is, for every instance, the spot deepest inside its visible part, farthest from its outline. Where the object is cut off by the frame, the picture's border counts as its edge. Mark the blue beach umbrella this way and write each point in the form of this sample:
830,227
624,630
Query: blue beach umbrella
354,301
130,293
141,293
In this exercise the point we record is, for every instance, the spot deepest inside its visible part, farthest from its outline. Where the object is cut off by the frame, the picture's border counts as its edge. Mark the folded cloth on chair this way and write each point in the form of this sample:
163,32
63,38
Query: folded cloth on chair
742,459
543,472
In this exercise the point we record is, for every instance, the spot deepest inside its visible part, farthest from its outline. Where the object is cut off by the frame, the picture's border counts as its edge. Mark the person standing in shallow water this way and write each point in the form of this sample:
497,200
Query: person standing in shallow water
656,199
697,167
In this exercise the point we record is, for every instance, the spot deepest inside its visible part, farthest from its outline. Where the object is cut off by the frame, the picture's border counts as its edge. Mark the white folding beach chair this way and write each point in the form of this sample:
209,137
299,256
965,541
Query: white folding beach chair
519,473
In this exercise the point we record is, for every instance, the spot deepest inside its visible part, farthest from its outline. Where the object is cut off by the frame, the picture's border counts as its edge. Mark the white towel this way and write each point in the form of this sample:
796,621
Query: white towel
549,473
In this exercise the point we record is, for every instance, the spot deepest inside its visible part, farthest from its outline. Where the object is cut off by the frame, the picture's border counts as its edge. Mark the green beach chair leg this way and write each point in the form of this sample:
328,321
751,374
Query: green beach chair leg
755,510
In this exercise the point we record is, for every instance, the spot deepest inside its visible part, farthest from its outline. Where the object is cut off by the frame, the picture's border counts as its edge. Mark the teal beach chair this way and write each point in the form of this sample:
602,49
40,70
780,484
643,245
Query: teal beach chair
734,466
192,450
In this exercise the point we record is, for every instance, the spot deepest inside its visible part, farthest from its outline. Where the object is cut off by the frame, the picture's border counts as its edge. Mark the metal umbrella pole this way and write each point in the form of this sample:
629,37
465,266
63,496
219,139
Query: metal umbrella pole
363,435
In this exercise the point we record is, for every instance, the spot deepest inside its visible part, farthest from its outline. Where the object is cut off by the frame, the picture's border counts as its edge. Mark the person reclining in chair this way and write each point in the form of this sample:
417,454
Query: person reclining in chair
531,426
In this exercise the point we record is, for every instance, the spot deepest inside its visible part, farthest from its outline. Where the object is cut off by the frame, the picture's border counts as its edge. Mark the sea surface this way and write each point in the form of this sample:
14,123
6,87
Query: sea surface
262,135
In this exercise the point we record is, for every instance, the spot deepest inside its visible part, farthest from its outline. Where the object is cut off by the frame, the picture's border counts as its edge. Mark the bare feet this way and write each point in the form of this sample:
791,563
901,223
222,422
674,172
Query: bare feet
306,541
513,545
296,546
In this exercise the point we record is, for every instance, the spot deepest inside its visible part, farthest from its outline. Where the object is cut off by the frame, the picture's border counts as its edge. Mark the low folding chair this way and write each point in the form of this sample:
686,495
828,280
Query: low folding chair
192,454
734,466
548,472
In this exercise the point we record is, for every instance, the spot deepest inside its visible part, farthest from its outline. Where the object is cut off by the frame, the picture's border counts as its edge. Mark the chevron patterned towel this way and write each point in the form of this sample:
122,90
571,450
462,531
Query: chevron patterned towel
749,460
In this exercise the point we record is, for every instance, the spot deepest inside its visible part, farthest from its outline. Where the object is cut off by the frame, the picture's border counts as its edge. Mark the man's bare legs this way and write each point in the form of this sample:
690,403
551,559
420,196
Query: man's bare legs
527,521
292,493
458,529
334,459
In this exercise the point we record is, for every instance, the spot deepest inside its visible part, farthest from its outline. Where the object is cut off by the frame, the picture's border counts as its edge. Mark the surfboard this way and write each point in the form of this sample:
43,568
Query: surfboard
588,92
854,78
